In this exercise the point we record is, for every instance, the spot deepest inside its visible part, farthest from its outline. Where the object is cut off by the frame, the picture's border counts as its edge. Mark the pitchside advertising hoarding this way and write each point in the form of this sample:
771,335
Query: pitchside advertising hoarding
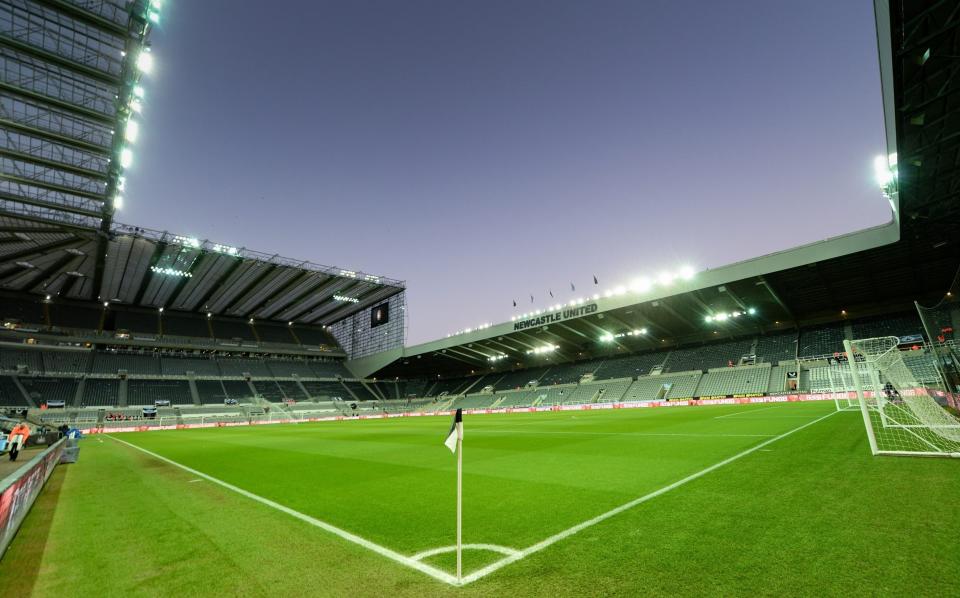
24,487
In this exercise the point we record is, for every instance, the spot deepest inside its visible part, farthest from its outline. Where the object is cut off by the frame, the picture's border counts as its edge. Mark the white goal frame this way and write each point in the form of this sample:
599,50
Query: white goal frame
928,430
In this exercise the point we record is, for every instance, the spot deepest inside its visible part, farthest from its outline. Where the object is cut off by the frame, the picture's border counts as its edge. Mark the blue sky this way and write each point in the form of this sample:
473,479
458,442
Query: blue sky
487,150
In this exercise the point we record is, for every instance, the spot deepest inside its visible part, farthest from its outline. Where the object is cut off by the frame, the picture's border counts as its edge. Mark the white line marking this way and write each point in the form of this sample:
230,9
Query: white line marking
745,412
616,511
491,547
196,480
381,550
513,557
584,433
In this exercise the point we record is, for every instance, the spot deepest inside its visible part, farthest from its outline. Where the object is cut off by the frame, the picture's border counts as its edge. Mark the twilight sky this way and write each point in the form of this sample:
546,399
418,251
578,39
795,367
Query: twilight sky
484,150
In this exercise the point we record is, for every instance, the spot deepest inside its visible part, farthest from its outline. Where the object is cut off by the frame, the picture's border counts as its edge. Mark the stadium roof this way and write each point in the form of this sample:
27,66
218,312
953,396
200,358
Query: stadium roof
880,270
72,76
157,269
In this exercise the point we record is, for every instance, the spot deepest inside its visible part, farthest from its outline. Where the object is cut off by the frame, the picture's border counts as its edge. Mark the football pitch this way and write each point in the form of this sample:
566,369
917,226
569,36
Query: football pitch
767,498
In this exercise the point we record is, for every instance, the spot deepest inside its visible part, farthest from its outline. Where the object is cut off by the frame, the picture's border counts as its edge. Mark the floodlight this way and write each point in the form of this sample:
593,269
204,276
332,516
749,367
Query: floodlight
138,91
145,61
752,311
132,131
685,273
640,285
665,278
126,157
154,16
118,202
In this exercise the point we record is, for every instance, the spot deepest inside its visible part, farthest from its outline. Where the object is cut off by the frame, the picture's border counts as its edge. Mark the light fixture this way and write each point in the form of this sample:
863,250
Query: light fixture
145,61
126,157
132,131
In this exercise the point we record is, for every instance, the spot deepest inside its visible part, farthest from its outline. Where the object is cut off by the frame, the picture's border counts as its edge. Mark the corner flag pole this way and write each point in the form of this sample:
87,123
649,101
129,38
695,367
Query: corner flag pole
454,442
459,505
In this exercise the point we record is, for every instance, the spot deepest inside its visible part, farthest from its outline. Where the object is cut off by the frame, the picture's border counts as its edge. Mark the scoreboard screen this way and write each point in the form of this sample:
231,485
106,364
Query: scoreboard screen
379,315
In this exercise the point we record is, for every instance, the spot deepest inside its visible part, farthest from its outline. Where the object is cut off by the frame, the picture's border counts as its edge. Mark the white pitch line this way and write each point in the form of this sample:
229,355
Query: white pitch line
444,549
745,412
584,433
381,550
616,511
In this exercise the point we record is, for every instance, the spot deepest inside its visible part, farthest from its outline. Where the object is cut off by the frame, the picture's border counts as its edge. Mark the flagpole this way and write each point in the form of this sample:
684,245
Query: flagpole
459,504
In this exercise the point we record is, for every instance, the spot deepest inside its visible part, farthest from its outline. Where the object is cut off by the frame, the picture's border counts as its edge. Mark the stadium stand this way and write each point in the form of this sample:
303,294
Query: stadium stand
185,324
326,390
147,392
99,392
664,386
273,333
244,366
570,372
519,378
10,395
907,324
211,391
137,322
292,390
111,363
179,366
630,365
825,340
708,356
232,329
776,348
66,361
41,390
735,380
13,359
237,389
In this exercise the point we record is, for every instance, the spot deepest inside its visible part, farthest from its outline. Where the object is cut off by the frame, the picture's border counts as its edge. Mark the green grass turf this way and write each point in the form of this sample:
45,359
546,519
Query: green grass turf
813,513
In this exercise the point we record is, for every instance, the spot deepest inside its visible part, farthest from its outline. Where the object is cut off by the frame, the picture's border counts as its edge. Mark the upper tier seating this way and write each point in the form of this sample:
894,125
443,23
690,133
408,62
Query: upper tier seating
629,365
825,340
66,361
111,363
776,348
12,358
10,395
905,324
146,392
708,356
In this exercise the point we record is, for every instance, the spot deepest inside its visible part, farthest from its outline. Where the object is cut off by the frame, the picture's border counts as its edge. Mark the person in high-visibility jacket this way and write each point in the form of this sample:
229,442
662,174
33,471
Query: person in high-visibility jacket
23,431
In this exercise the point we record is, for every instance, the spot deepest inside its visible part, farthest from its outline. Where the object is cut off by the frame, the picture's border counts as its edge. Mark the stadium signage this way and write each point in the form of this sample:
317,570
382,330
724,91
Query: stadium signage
557,316
17,498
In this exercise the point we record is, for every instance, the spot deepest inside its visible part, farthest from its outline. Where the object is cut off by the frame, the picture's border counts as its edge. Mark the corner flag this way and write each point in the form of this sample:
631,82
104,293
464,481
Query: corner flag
454,442
456,431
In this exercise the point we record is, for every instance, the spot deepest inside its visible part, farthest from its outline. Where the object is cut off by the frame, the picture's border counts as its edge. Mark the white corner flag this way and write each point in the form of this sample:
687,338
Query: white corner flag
454,442
456,432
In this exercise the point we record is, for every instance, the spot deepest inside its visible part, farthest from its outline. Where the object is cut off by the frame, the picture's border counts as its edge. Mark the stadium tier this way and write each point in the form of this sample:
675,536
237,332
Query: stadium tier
118,376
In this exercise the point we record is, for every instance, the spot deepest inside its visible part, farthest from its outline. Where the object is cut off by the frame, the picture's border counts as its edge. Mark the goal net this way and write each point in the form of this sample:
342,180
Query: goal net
902,415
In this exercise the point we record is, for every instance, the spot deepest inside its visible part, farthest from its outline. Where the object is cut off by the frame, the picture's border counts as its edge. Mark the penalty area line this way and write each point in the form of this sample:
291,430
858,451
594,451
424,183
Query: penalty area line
355,539
480,573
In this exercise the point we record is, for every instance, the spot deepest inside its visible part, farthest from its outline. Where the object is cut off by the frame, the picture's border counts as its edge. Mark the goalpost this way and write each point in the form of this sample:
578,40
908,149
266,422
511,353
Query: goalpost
901,415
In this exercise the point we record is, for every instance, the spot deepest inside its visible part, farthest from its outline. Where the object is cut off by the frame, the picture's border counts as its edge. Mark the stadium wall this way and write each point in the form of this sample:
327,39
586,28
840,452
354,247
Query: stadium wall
20,490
